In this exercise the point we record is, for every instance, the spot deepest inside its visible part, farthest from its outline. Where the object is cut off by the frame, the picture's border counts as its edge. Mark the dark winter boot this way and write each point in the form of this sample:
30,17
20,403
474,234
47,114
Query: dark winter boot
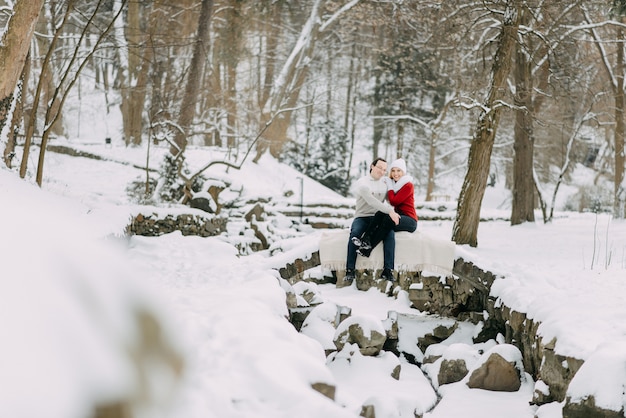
366,245
356,241
364,251
387,275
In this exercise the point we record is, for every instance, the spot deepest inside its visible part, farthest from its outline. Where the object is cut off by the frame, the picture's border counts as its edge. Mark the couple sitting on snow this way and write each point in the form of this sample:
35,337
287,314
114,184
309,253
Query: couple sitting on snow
376,220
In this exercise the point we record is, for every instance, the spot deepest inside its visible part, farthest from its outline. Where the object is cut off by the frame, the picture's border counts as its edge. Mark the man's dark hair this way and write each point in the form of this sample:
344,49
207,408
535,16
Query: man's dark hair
376,162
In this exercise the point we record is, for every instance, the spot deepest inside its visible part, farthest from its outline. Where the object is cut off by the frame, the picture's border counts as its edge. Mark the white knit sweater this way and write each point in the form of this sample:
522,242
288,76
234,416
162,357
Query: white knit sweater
370,195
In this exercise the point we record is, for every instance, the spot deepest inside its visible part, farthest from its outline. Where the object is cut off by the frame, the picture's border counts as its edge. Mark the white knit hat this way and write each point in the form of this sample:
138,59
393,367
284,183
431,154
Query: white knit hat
399,163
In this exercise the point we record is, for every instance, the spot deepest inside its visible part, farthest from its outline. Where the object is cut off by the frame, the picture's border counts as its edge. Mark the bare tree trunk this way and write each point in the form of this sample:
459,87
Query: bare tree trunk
400,140
69,78
232,47
308,112
187,108
434,129
15,45
617,83
523,204
138,98
465,228
348,109
134,73
18,115
619,125
47,76
430,185
272,34
30,126
329,89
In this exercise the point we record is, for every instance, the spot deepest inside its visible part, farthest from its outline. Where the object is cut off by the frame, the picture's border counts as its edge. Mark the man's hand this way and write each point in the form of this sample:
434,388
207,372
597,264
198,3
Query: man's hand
394,217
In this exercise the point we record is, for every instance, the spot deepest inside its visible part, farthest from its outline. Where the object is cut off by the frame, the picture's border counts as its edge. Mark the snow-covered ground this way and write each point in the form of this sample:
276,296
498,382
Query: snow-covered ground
69,287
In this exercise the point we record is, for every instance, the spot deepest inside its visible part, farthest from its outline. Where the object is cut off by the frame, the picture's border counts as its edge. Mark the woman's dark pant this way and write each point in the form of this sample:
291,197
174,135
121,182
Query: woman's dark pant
382,224
359,226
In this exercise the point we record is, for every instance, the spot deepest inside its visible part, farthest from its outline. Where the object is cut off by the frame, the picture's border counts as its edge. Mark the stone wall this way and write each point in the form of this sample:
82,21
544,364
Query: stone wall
293,271
466,296
152,225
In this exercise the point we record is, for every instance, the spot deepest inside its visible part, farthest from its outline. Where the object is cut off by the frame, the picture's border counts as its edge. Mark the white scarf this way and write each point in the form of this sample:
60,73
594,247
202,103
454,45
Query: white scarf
397,185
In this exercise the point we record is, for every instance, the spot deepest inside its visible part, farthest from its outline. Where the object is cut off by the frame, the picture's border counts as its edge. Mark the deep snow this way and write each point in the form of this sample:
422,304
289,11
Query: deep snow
70,285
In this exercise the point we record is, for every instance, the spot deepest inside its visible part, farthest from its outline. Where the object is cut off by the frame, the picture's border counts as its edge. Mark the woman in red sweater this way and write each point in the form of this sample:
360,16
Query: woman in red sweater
400,195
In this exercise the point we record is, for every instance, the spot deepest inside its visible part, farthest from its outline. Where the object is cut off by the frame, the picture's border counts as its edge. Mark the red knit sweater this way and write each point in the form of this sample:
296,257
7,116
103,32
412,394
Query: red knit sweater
404,200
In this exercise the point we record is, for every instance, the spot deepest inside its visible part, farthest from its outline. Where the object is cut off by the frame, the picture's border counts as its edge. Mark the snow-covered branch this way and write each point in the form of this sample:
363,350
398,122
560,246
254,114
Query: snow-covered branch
424,124
603,53
338,14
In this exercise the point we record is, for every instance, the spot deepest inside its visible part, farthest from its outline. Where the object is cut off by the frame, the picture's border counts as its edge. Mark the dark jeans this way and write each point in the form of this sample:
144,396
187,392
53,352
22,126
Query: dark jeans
359,226
406,224
382,224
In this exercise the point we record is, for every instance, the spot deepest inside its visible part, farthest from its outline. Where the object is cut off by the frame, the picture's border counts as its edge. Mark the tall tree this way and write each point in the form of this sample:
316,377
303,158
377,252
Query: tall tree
18,115
134,57
231,45
616,75
171,35
194,77
465,228
77,61
57,30
14,46
619,8
523,204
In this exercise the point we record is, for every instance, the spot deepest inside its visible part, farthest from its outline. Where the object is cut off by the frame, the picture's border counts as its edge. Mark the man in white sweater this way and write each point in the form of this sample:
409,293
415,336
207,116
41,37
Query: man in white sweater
370,192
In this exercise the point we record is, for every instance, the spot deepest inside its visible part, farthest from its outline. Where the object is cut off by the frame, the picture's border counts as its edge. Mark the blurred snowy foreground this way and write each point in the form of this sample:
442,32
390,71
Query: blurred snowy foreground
176,326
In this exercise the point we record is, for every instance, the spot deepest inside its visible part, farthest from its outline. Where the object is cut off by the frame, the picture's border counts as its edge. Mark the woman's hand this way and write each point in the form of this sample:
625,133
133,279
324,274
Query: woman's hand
394,217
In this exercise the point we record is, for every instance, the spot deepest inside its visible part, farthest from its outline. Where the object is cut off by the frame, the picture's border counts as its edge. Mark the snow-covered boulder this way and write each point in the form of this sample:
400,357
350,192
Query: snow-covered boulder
320,325
500,369
597,389
365,331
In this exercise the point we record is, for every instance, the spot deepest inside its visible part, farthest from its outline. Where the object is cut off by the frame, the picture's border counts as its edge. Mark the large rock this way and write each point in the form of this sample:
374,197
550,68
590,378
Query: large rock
202,203
451,371
587,408
597,389
495,374
439,334
325,389
320,325
365,331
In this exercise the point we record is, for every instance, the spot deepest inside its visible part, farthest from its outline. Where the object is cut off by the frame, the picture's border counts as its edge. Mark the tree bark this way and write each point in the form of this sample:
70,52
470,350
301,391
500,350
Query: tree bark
31,125
349,109
400,140
187,108
48,77
272,34
15,44
377,132
18,115
465,228
617,84
619,126
69,78
232,52
430,184
134,78
523,204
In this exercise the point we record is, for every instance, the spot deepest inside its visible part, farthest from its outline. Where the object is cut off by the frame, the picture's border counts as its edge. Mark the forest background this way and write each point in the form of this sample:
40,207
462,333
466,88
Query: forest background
514,91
